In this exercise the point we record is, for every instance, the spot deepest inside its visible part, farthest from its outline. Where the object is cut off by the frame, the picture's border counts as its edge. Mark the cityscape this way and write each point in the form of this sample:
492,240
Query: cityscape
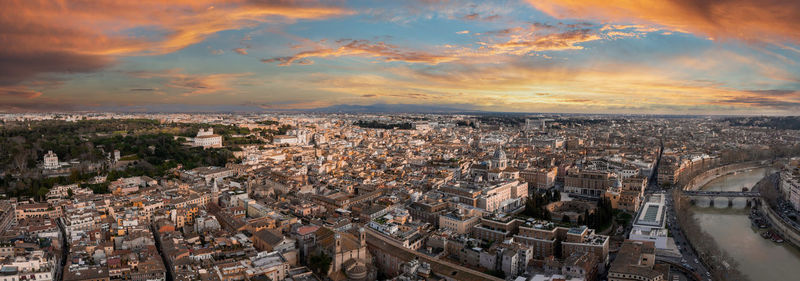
358,196
419,140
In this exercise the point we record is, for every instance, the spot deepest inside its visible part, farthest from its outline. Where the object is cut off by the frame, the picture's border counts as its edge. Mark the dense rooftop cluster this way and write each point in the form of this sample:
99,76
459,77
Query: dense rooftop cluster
359,197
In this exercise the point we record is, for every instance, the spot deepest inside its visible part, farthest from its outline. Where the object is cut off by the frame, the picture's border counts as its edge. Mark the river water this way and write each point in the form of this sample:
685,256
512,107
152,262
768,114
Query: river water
757,258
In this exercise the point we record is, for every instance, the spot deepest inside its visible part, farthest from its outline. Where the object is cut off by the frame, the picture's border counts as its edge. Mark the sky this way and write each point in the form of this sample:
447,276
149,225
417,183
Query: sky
568,56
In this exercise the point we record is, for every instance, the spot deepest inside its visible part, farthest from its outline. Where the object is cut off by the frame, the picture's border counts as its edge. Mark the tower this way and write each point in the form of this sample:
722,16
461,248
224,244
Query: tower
215,193
338,243
362,236
249,185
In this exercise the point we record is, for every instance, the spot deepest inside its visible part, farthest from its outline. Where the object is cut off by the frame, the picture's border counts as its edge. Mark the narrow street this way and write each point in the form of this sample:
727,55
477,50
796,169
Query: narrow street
161,253
64,251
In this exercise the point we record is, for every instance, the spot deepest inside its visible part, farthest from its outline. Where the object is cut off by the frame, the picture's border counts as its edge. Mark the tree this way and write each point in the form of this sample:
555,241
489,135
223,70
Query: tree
586,217
69,193
565,218
320,264
41,192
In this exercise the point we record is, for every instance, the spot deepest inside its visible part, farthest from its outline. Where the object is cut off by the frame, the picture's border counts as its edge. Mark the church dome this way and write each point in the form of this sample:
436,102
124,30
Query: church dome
617,184
499,154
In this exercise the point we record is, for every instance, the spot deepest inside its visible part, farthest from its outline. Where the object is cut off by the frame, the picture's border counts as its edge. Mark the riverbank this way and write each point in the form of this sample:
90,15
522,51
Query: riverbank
770,193
730,230
705,177
711,255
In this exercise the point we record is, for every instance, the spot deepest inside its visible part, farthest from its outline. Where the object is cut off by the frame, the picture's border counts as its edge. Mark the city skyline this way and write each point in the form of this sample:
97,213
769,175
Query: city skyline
580,56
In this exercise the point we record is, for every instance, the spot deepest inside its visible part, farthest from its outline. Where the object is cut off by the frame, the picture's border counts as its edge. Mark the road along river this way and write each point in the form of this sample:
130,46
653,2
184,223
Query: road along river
757,258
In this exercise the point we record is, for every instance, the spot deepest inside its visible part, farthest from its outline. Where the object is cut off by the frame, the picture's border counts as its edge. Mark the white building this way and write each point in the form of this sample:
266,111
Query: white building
207,138
34,266
649,224
490,197
285,139
270,264
790,186
534,124
51,161
303,136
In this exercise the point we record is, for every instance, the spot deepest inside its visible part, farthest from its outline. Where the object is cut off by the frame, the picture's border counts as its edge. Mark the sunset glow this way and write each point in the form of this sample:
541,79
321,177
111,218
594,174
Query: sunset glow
583,56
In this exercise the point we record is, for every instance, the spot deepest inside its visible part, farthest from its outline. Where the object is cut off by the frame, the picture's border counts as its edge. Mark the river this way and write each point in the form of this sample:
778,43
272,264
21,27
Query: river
757,258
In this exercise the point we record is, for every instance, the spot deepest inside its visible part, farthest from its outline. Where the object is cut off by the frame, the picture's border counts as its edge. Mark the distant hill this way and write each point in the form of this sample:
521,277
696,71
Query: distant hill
390,108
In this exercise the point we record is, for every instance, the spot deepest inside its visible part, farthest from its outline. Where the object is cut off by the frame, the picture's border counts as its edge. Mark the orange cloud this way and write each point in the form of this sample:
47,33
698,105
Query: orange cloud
752,20
45,36
513,87
23,93
362,48
195,84
515,41
526,43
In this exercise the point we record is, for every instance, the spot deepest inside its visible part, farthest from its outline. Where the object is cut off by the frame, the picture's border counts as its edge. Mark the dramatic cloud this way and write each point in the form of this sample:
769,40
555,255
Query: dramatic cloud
513,41
752,20
557,88
19,93
362,48
46,36
777,99
526,43
186,84
505,55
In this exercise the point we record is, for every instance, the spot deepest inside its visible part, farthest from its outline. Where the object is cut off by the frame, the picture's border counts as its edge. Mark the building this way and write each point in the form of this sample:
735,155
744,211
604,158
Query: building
650,223
540,178
36,210
270,264
495,169
636,261
51,161
592,183
272,241
496,227
540,235
534,124
428,211
501,197
790,185
584,240
458,221
286,139
348,253
580,266
207,139
626,195
27,262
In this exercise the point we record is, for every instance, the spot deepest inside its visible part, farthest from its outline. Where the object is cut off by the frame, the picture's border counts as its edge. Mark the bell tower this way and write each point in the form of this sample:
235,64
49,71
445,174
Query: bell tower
338,240
362,236
215,193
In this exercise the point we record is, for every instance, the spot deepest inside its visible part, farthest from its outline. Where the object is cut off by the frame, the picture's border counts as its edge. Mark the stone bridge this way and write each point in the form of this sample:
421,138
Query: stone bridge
730,195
